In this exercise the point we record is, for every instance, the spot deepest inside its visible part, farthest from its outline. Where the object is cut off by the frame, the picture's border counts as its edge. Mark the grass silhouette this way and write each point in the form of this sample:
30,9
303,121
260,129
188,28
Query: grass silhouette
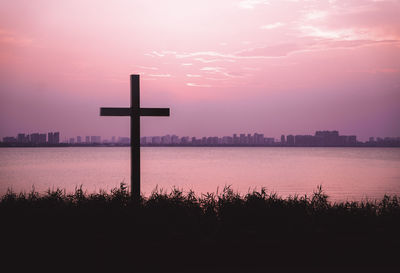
173,230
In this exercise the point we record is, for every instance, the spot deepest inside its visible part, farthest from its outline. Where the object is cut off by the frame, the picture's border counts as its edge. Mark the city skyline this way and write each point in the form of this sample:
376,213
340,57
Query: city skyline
320,138
273,66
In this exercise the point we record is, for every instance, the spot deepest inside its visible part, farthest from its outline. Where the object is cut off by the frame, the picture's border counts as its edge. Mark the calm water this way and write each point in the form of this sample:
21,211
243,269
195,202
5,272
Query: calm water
344,173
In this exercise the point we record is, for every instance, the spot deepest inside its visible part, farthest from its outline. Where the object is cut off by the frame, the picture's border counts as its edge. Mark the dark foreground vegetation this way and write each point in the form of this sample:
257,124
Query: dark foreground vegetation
181,232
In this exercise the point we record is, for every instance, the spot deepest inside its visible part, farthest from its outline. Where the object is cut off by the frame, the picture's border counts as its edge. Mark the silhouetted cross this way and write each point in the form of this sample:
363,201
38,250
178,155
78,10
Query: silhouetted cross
135,112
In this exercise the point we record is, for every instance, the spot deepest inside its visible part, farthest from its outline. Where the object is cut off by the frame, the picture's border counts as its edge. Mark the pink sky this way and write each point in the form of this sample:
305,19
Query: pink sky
268,66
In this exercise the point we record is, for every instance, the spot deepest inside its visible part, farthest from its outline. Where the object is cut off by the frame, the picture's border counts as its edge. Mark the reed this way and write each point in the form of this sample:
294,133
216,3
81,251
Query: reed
225,228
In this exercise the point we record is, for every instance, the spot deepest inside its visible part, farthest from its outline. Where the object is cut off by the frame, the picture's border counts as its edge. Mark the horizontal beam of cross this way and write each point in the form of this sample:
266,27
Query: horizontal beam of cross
115,111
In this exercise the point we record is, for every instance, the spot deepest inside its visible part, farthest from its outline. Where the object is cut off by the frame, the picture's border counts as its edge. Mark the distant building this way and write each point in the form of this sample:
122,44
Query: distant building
352,140
9,140
304,140
227,140
156,140
124,140
235,139
34,138
259,139
95,139
250,139
327,138
22,138
79,139
290,140
143,141
42,138
283,140
175,139
185,140
242,139
50,138
113,139
72,140
87,139
166,140
269,140
56,138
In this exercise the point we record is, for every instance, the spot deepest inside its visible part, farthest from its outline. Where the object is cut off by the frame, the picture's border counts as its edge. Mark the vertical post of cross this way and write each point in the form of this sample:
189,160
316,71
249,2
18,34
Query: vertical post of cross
134,112
135,137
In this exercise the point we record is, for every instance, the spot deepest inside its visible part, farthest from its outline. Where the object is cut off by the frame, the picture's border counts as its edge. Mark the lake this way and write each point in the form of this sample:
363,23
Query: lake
344,173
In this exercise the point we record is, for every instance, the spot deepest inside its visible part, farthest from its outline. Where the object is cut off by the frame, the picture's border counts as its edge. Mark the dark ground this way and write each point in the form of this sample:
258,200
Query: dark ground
176,233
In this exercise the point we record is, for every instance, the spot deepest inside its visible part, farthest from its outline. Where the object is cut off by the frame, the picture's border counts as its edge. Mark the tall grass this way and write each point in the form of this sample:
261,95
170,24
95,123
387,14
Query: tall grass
223,228
209,203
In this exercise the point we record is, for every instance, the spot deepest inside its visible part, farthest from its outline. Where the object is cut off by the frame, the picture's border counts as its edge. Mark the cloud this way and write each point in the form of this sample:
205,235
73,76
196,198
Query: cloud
197,85
147,67
279,50
250,4
316,15
160,75
338,34
211,69
272,26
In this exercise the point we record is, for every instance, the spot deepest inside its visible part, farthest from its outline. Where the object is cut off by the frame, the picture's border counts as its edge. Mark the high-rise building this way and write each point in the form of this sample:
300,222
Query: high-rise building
235,139
156,140
185,140
283,140
79,139
95,139
290,140
269,140
72,140
328,138
87,139
143,141
9,140
352,140
56,138
34,138
250,139
50,138
124,140
227,140
42,138
166,140
22,138
243,139
175,139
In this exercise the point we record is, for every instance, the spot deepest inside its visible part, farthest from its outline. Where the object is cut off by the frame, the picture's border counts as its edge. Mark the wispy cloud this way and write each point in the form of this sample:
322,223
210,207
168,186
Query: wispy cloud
160,75
197,85
147,67
315,15
272,26
250,4
212,69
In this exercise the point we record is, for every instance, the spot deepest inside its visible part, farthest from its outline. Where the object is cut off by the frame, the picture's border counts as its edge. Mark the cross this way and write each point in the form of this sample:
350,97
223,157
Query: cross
134,112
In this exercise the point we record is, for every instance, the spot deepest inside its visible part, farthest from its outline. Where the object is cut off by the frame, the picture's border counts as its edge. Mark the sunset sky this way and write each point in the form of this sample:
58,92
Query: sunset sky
223,67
